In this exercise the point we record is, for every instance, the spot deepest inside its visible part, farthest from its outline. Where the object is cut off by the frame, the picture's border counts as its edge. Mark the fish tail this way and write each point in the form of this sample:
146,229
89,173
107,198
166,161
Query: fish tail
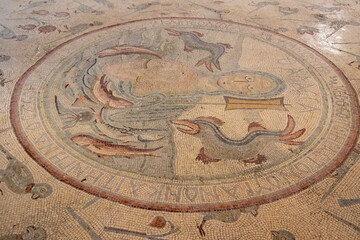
290,126
288,135
292,136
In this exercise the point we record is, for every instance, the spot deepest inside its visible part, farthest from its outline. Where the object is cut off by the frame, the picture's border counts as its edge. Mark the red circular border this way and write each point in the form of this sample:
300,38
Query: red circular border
15,121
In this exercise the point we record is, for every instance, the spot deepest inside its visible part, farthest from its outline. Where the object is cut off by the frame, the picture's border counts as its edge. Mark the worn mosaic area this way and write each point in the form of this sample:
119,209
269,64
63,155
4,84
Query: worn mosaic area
179,120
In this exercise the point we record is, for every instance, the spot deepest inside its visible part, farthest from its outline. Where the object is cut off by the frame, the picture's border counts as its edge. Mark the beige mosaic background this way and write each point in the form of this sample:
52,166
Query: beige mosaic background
330,209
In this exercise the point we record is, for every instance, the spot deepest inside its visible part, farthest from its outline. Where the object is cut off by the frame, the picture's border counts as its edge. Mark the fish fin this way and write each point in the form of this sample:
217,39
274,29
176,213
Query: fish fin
255,126
187,49
76,102
172,32
82,100
208,66
205,61
201,229
217,65
206,158
290,126
97,146
227,45
292,142
257,160
215,120
199,63
292,136
198,33
99,115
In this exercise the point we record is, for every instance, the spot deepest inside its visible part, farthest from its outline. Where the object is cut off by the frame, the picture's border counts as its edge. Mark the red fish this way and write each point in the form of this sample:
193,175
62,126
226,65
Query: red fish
105,148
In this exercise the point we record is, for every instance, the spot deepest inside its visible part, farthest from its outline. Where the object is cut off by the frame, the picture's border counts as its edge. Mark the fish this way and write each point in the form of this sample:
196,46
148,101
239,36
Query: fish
106,148
105,96
126,133
126,50
217,146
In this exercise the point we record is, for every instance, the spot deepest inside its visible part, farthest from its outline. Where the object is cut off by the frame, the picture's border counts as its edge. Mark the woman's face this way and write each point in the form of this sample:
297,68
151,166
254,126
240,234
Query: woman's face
249,83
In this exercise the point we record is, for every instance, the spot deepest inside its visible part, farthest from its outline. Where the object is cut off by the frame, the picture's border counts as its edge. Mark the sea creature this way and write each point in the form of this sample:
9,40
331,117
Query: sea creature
32,4
192,41
307,29
217,146
336,25
260,5
219,12
61,14
143,6
81,27
19,179
86,9
7,33
41,12
126,133
105,148
47,29
2,79
105,2
76,29
4,58
27,26
228,216
158,222
32,233
70,117
75,85
324,9
126,50
288,10
282,235
105,96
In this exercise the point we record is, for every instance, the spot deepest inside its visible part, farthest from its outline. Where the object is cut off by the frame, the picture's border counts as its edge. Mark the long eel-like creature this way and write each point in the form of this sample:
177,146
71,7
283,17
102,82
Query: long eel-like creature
217,146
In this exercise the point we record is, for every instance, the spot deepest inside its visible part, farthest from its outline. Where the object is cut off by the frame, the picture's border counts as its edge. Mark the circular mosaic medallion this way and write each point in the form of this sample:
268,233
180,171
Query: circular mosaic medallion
186,114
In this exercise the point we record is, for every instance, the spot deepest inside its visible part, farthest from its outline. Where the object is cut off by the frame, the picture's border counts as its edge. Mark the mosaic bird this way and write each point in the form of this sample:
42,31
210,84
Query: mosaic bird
19,179
217,146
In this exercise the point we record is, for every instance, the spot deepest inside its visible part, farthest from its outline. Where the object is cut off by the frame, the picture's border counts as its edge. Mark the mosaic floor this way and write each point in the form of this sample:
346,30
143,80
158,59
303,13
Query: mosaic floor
179,119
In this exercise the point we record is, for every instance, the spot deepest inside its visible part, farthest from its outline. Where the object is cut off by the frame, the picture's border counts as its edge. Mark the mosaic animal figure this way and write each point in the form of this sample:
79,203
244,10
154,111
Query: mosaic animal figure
32,233
282,235
105,148
71,118
19,179
130,134
100,90
105,96
217,146
192,41
228,216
